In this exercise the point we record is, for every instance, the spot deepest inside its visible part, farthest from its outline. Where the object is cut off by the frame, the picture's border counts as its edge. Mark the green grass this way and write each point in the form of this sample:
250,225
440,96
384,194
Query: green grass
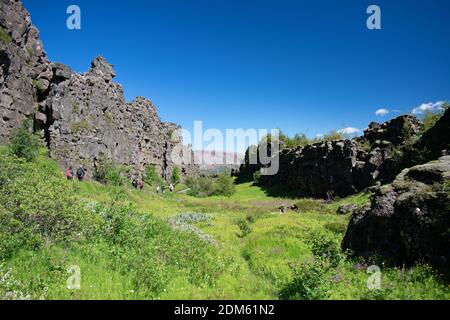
130,250
4,37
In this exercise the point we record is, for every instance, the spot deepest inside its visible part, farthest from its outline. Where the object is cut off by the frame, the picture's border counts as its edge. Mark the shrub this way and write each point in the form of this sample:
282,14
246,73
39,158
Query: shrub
333,135
257,177
245,228
429,119
4,37
309,282
176,175
37,84
106,171
224,186
38,207
201,186
325,247
23,143
151,177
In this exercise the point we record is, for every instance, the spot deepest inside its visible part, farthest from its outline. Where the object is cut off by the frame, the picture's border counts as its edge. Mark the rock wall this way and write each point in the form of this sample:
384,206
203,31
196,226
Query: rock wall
408,221
22,62
335,168
321,170
81,117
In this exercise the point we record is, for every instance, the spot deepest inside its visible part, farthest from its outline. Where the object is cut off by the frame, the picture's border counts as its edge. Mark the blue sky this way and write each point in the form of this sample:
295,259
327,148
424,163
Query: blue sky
302,66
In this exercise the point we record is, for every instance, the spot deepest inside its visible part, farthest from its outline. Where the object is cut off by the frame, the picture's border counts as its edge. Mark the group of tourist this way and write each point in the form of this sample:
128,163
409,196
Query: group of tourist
70,173
162,188
137,183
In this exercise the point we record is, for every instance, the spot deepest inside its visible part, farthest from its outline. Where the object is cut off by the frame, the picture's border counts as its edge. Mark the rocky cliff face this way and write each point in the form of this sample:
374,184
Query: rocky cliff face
81,117
336,168
408,221
22,63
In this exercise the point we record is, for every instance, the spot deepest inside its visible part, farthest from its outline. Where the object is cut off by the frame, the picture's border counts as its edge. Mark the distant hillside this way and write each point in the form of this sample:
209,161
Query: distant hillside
211,162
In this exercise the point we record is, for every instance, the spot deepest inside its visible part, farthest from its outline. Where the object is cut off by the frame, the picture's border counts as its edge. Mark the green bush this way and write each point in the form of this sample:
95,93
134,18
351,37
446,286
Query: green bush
107,172
333,135
38,207
245,228
324,247
257,177
201,186
310,282
429,119
176,175
224,186
4,37
23,143
151,177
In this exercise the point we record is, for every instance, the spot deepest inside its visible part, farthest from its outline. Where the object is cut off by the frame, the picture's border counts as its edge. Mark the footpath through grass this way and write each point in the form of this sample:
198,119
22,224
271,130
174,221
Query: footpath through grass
136,244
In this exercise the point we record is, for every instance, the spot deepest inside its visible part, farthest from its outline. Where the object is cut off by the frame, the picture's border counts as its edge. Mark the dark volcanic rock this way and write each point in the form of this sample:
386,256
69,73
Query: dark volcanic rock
24,68
336,168
81,117
346,209
320,170
409,220
437,138
396,131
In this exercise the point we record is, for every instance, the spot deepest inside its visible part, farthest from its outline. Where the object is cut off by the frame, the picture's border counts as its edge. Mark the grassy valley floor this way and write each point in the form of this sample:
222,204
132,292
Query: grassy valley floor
136,244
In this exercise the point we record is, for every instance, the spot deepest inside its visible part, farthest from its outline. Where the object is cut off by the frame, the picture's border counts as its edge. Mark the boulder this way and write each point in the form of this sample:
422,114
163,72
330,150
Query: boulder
346,209
408,221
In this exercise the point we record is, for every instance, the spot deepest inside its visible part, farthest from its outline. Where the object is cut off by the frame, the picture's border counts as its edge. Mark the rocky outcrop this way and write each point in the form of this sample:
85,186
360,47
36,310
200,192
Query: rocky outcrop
24,68
335,168
81,117
378,145
346,209
408,221
436,140
320,170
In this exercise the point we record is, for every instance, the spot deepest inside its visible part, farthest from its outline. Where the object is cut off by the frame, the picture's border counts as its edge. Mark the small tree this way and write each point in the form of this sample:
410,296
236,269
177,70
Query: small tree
176,175
23,143
333,135
224,186
257,177
151,176
106,171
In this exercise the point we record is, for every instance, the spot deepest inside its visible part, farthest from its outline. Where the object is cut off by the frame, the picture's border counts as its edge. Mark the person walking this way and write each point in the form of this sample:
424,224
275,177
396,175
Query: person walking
81,172
69,173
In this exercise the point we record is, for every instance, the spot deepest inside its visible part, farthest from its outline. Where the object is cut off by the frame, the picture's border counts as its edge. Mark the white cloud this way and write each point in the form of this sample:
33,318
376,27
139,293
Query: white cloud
382,112
349,130
319,136
433,107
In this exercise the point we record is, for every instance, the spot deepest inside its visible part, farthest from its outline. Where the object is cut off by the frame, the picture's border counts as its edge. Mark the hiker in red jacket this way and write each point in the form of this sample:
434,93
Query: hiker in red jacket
69,173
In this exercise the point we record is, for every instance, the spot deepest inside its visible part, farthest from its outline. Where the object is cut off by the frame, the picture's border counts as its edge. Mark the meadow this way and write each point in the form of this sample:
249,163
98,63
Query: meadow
137,244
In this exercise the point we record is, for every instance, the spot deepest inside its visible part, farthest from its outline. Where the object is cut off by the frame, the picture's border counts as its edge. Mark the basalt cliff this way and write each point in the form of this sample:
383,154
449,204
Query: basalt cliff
82,118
